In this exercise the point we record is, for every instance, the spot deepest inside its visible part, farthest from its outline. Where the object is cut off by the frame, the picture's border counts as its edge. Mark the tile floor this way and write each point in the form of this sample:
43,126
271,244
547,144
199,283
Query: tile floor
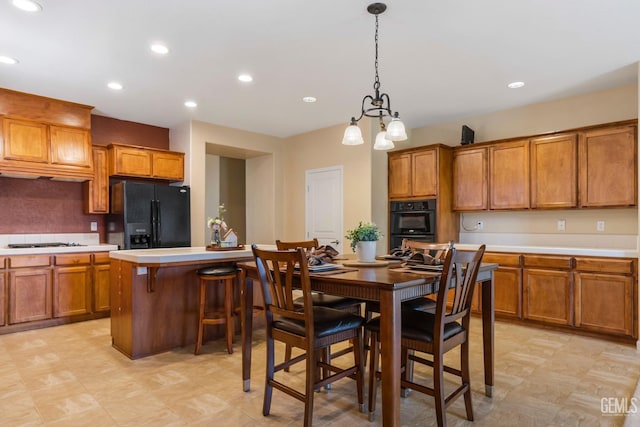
71,376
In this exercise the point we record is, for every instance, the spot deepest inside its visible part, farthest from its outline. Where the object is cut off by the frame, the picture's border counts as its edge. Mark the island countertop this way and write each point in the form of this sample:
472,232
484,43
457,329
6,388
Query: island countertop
179,255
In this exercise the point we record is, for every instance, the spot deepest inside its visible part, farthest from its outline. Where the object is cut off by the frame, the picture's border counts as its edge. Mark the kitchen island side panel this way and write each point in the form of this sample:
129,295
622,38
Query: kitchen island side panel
156,308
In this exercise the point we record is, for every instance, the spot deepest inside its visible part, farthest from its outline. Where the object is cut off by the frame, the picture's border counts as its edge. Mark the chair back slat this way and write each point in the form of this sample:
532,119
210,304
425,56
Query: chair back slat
435,250
278,281
304,244
459,275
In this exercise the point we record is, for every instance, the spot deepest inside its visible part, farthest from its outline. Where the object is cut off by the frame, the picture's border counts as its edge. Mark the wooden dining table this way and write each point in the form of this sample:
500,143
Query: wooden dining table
389,285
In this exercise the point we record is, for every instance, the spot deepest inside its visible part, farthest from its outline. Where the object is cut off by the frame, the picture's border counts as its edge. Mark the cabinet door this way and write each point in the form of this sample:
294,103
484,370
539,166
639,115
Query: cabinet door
101,281
130,162
71,147
71,293
604,303
399,175
424,174
554,172
29,295
548,296
25,141
608,167
96,191
509,175
470,179
508,291
168,166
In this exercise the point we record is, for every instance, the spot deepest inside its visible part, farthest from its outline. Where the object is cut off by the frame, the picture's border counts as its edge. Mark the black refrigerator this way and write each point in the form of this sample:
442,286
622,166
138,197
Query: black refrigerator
149,216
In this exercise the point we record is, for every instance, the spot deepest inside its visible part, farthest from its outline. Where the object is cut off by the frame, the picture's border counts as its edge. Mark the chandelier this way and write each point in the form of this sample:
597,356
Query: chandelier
380,107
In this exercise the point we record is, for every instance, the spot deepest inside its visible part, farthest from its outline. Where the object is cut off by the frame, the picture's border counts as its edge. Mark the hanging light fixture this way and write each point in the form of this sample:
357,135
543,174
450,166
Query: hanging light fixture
380,106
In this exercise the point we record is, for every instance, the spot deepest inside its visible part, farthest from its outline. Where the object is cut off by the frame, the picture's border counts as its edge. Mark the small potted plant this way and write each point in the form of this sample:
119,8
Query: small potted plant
363,241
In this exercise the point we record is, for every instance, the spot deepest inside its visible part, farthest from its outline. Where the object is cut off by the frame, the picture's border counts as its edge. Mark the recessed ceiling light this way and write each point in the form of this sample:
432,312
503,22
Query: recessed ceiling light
515,85
190,104
245,78
309,99
8,60
27,5
114,85
159,48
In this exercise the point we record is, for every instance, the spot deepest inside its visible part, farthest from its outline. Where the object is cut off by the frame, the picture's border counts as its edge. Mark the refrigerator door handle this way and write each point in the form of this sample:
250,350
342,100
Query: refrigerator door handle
154,224
158,224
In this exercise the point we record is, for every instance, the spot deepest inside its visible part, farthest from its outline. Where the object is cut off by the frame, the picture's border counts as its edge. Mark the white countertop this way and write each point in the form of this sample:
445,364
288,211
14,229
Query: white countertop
58,250
169,255
550,250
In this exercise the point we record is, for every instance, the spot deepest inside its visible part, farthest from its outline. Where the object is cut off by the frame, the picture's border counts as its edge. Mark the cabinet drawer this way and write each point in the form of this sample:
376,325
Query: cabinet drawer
510,260
72,259
548,261
29,261
606,265
101,258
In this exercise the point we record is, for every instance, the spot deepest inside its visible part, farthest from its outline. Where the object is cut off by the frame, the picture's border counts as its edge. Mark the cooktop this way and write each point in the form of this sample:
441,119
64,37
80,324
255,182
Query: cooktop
40,245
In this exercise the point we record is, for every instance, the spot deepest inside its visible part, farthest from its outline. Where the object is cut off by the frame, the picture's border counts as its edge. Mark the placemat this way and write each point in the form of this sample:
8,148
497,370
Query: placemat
376,263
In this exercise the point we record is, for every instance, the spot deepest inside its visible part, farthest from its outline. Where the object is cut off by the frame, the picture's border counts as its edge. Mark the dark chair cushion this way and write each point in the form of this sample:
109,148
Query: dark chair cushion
422,304
221,270
327,321
331,301
418,325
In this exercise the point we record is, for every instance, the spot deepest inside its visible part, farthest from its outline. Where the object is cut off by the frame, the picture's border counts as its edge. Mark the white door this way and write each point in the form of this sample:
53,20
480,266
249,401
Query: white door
323,206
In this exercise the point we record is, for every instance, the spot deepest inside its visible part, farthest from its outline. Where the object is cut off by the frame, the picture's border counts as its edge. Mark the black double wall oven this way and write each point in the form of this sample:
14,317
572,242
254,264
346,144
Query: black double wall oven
413,220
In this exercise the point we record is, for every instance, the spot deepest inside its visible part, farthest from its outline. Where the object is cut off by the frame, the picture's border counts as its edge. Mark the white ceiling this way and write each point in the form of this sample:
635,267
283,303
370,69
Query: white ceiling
439,60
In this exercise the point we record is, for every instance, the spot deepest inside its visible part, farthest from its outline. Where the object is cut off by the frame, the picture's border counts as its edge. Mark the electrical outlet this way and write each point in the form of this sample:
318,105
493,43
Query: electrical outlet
600,225
94,226
561,224
479,225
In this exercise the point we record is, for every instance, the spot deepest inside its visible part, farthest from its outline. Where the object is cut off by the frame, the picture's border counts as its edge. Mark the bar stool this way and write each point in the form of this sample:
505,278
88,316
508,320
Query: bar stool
220,274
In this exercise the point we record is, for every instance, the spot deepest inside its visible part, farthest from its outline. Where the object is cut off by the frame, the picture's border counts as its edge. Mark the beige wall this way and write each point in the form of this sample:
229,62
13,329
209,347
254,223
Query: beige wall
319,149
264,180
540,227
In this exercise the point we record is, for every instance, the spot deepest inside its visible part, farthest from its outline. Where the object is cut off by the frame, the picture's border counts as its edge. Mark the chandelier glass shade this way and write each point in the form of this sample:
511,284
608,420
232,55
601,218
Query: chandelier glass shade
379,105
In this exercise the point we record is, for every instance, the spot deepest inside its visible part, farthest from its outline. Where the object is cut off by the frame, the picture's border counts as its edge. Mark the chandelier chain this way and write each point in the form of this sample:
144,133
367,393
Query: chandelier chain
376,84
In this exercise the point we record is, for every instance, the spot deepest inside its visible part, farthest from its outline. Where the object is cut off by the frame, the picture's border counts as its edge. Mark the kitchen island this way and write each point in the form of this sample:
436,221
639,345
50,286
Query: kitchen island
154,297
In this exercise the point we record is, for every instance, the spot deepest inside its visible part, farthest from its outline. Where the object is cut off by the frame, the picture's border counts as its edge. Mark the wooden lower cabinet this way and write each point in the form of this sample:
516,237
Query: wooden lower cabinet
29,295
72,291
3,299
604,303
101,281
548,296
38,291
508,284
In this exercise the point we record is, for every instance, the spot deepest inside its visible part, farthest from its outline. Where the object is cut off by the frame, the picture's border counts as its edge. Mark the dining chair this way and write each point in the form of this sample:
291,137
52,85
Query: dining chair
437,251
318,298
312,329
436,333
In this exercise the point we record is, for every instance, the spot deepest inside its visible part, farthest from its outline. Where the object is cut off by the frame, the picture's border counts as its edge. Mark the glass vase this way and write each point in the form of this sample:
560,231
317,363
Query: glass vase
215,238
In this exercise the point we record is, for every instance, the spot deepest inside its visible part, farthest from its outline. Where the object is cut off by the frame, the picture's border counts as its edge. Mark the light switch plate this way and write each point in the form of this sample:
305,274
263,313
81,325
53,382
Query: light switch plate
600,225
561,224
94,226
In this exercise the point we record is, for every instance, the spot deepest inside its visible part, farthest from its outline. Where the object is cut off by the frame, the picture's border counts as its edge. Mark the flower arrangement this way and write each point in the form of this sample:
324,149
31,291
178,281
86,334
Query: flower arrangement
364,232
216,224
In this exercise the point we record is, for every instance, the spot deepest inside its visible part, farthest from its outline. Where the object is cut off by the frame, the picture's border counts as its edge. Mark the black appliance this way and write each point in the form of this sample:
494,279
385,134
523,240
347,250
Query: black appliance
412,219
149,216
467,135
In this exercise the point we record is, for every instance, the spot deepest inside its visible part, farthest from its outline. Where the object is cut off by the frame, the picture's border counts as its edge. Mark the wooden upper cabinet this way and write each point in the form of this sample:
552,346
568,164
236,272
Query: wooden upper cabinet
168,165
470,179
424,173
144,162
413,174
608,167
96,191
127,161
509,175
25,141
399,175
44,137
71,147
554,171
